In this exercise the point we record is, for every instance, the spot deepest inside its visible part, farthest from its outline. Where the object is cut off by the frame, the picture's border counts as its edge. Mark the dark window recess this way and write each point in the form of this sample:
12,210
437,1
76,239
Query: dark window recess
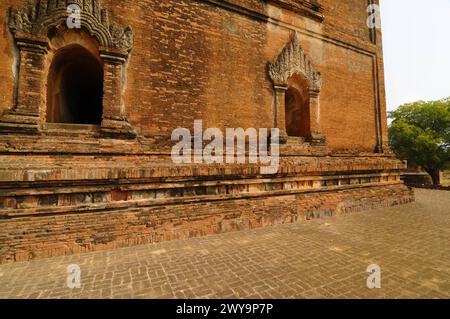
75,87
297,113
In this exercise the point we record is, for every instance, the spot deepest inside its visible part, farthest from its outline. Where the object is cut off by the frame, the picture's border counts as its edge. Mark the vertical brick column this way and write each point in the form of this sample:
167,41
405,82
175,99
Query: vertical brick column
317,136
280,111
114,122
31,80
29,108
112,88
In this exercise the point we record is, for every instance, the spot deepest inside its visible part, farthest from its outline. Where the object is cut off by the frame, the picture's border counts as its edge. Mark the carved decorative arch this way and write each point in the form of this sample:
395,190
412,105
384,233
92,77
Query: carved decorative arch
294,60
40,16
31,27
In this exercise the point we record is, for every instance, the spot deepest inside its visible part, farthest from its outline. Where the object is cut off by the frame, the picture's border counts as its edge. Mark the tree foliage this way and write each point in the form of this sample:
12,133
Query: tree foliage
420,133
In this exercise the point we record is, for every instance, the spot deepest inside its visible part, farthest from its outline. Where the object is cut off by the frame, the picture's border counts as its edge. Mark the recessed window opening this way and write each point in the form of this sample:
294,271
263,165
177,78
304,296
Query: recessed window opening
75,87
297,113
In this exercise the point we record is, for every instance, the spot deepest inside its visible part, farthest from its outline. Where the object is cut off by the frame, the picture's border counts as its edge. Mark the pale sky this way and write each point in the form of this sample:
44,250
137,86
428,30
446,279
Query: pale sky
416,40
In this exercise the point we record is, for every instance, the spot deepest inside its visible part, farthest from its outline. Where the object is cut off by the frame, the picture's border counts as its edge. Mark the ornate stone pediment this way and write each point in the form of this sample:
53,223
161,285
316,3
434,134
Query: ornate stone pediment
39,16
293,60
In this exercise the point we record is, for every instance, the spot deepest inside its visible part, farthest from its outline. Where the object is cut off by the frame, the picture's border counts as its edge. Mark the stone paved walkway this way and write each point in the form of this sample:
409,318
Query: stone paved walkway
321,258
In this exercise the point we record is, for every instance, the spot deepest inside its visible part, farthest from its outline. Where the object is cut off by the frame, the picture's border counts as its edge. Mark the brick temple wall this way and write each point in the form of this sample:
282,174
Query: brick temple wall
57,235
68,190
122,203
207,60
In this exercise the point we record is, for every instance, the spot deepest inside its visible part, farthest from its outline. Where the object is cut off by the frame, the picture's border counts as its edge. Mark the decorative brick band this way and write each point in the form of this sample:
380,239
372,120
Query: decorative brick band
50,199
54,235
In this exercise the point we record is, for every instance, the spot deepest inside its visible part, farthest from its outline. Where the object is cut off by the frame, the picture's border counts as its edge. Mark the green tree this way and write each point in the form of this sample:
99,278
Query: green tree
420,133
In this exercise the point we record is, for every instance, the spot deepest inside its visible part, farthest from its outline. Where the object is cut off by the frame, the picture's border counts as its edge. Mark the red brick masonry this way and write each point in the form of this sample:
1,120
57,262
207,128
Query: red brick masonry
84,204
68,188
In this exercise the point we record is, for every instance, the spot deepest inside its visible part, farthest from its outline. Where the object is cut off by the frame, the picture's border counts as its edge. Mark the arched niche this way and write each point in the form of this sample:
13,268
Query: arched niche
40,30
294,74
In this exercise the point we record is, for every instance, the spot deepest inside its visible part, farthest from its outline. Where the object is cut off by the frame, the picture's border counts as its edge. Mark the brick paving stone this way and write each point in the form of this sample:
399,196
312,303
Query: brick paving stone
324,258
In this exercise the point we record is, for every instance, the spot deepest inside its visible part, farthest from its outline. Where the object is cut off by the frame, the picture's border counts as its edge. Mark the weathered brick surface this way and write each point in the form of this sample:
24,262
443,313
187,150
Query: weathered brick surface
29,237
195,60
67,189
316,259
74,207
